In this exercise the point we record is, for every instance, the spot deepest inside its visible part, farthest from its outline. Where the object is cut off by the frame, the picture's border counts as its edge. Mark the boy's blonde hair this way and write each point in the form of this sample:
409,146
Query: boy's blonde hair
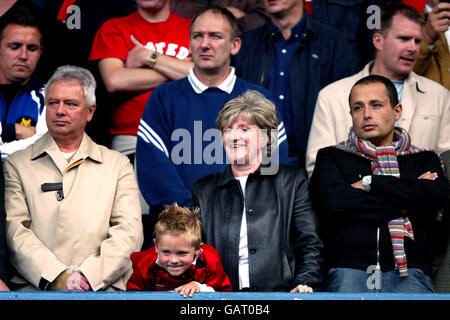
180,221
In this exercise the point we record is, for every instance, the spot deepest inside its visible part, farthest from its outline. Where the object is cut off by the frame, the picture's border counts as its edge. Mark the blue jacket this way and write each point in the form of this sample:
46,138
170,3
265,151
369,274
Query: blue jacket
322,56
25,108
176,144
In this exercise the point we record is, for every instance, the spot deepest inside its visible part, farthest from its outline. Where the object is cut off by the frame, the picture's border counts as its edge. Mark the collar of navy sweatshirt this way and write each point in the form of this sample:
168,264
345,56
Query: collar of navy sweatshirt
226,86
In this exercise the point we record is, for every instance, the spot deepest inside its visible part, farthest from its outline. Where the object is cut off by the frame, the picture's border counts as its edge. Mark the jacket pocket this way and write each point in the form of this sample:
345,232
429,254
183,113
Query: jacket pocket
287,270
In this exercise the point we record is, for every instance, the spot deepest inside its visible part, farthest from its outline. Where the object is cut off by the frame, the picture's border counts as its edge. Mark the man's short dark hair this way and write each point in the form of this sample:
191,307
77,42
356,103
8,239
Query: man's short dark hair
224,12
388,12
390,87
22,14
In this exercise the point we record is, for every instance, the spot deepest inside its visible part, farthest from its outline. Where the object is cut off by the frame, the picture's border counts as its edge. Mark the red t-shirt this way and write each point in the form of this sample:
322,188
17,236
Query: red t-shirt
417,4
170,37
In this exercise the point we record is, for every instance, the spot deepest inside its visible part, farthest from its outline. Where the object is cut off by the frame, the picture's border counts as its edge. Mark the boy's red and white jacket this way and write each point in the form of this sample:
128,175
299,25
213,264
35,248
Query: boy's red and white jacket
207,270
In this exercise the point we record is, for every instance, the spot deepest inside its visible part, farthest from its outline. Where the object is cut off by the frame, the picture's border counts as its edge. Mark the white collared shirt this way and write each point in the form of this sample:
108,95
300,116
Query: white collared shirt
199,87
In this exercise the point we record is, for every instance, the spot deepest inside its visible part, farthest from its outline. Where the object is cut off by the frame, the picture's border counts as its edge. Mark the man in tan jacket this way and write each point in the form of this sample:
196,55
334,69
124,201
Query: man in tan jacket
73,213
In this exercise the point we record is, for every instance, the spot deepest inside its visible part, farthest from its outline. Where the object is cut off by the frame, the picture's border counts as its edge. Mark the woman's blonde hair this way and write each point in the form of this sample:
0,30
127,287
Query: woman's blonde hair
254,107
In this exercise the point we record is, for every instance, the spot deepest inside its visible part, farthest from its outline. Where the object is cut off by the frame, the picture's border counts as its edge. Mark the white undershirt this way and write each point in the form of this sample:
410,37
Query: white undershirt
68,155
244,277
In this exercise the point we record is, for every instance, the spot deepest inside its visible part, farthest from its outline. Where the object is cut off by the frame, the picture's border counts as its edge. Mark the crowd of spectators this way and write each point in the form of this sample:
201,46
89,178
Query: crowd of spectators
187,145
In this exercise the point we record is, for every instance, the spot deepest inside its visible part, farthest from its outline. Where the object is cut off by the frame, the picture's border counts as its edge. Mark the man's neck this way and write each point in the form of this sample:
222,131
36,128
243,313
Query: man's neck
212,79
285,21
68,145
159,15
379,69
19,82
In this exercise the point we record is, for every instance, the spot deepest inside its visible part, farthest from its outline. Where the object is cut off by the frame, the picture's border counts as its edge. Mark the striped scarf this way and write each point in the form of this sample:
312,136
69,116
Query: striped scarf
384,162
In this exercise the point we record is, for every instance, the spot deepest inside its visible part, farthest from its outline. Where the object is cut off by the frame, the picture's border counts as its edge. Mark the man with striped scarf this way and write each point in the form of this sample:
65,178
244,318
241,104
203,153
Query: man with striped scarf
377,197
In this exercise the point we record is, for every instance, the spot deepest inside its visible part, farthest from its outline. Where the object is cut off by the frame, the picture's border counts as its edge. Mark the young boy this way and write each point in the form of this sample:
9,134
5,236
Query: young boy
179,261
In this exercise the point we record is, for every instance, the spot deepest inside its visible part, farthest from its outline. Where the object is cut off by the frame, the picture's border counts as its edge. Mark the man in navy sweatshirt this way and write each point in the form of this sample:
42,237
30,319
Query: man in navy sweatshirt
177,139
22,119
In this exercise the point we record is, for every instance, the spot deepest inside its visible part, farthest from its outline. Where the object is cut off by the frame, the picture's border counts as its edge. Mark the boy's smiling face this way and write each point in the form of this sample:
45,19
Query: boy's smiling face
175,254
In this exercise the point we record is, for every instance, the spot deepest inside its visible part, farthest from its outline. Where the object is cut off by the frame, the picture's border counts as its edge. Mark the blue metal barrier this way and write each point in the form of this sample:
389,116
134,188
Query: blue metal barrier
220,305
263,296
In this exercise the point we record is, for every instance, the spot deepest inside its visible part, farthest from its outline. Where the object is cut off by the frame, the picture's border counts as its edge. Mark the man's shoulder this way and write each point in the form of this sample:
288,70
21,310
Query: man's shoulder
341,87
242,85
424,154
325,32
20,156
134,19
332,150
429,86
119,21
255,33
176,18
179,85
35,84
110,153
31,151
171,92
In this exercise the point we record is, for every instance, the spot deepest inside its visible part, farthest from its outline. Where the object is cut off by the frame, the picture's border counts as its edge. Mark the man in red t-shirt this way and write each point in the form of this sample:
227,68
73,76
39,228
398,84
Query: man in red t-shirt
135,54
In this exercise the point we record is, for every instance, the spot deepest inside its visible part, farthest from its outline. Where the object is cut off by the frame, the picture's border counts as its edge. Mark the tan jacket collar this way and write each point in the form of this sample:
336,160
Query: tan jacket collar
413,80
46,144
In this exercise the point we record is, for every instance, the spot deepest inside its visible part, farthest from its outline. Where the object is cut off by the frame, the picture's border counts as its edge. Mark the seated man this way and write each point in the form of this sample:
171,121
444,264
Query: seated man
377,198
426,104
177,138
72,206
22,105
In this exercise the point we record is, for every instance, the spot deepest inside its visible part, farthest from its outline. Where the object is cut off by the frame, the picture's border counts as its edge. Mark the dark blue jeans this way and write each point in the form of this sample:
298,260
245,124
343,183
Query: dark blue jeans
354,280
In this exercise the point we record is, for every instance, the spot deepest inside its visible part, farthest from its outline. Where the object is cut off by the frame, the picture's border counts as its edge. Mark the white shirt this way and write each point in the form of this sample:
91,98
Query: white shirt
244,276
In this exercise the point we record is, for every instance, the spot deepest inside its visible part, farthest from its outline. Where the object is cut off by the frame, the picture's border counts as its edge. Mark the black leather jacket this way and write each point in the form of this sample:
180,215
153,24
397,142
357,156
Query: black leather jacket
283,242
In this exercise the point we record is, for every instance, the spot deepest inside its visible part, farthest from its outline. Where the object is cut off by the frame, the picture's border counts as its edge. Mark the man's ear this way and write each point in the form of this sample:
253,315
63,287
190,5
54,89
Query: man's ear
91,112
377,40
235,46
398,111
